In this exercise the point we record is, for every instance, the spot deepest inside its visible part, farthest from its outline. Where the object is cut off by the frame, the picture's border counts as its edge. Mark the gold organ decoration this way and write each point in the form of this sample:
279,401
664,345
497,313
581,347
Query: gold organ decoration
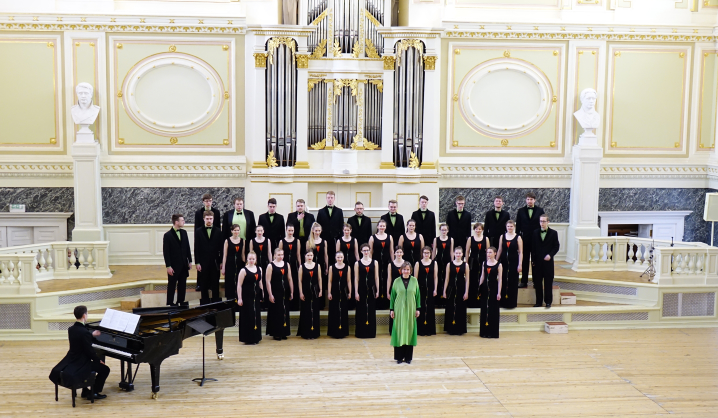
430,62
413,161
389,61
405,44
271,161
319,145
379,85
302,60
260,59
336,49
339,84
274,43
320,49
359,143
313,82
371,49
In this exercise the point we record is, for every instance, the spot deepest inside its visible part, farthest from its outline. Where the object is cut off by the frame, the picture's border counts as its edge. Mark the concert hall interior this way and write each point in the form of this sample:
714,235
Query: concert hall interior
359,207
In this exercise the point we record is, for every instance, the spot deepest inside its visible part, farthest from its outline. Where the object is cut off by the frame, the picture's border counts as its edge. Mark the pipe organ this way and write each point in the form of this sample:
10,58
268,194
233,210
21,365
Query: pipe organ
408,102
281,101
345,27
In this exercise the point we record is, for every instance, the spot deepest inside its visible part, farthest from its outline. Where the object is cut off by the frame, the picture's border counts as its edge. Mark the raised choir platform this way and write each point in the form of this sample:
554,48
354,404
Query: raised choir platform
604,300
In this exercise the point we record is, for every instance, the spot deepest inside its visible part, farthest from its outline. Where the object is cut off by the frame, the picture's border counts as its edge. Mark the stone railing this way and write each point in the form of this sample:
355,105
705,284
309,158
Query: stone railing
682,263
18,274
64,259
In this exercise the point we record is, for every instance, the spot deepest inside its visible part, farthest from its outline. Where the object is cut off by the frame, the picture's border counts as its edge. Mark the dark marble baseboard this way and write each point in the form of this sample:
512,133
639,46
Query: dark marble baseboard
41,199
637,199
155,205
554,201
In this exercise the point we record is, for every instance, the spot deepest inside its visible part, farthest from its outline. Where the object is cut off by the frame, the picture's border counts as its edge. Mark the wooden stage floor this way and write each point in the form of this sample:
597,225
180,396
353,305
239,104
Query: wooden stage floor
598,373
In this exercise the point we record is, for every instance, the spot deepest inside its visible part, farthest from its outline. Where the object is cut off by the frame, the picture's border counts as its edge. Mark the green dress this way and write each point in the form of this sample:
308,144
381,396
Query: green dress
405,302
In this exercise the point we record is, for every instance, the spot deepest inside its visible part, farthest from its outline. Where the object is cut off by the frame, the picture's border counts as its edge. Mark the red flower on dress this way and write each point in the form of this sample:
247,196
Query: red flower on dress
427,270
488,269
282,270
311,273
341,273
457,269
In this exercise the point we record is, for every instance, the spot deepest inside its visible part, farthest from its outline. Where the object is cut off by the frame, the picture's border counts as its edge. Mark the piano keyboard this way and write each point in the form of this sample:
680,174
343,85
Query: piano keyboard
112,350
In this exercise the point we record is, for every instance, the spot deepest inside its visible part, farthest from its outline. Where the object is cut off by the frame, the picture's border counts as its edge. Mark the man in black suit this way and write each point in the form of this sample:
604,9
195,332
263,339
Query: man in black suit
273,223
208,248
394,222
242,217
81,359
527,221
361,225
425,221
459,222
178,260
544,247
495,222
302,221
206,205
331,218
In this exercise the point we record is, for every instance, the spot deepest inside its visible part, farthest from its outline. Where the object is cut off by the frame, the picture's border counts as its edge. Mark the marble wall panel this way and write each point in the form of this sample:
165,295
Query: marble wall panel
41,199
555,201
155,205
639,199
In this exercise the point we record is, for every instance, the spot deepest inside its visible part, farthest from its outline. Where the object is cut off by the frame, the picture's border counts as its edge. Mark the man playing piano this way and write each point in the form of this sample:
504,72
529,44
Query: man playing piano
81,359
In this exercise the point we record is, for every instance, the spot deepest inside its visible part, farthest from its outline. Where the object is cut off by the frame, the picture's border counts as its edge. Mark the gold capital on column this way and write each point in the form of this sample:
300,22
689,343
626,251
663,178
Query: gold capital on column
302,61
430,62
388,62
260,59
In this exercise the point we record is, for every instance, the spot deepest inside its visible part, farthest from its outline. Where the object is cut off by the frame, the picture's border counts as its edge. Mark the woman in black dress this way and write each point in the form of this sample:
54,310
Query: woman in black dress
249,297
366,291
443,248
511,253
316,244
279,289
232,262
292,251
340,289
427,274
490,311
412,243
382,251
476,255
350,248
310,292
456,291
262,246
393,272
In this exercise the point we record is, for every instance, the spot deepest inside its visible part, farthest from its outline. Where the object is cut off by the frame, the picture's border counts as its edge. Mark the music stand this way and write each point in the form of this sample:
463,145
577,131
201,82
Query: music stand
202,326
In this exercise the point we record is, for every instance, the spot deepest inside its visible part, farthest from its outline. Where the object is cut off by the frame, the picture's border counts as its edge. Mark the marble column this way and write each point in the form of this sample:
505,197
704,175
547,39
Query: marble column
583,219
88,197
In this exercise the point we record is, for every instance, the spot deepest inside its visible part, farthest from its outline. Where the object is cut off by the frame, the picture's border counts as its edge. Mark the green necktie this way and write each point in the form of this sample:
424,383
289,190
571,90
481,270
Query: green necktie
178,234
393,219
423,214
301,227
531,213
329,209
271,219
497,215
209,232
359,220
543,234
458,214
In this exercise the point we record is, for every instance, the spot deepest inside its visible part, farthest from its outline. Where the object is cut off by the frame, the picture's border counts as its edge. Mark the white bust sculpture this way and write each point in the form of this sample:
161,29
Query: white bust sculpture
587,116
84,112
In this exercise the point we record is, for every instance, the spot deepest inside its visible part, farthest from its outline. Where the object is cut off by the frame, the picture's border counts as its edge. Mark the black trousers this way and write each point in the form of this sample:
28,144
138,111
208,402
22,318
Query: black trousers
208,281
179,283
102,373
526,261
543,281
404,353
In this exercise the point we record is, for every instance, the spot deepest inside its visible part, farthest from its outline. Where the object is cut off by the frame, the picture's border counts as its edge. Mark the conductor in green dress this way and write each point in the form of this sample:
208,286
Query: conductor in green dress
404,306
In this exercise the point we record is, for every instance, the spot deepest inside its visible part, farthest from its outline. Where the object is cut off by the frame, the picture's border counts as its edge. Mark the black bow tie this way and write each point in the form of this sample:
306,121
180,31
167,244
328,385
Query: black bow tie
208,227
239,213
392,215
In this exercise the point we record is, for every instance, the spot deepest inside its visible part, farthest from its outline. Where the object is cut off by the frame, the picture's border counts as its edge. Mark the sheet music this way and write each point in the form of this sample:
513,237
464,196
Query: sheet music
120,321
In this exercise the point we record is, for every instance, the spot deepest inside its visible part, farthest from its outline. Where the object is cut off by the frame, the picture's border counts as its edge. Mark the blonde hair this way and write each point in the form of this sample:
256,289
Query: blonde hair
315,225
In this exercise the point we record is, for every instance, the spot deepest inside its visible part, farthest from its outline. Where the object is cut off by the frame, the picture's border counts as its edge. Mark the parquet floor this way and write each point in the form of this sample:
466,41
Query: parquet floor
599,373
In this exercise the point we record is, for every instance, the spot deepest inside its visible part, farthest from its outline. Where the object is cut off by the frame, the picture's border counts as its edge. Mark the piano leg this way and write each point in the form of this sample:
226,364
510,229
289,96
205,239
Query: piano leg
219,339
155,373
128,380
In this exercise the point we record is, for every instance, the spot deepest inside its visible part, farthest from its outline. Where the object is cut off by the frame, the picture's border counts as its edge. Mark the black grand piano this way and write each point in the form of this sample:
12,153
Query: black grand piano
159,334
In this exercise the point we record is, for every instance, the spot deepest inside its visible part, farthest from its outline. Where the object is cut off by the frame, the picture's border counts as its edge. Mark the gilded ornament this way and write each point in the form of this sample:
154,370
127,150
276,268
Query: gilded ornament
121,141
36,18
302,61
552,144
504,142
430,62
617,53
360,143
53,141
319,50
389,61
225,47
413,161
379,85
260,59
320,17
372,19
173,48
173,140
274,43
555,53
371,49
50,45
319,145
681,55
336,49
614,144
508,27
507,54
142,20
405,44
119,46
312,82
226,95
172,21
200,21
355,49
92,44
555,99
337,146
456,97
77,44
59,19
271,161
676,145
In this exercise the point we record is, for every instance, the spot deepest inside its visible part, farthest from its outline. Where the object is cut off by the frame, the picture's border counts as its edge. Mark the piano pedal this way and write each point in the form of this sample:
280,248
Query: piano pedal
220,356
155,395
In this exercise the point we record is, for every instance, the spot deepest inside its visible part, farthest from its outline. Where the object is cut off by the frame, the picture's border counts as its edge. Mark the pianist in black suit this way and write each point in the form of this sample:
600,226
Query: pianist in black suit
425,221
206,206
272,222
394,222
81,359
361,225
178,260
544,247
208,246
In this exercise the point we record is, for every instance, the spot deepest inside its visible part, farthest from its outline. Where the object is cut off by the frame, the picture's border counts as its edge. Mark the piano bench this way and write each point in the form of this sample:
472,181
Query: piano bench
88,382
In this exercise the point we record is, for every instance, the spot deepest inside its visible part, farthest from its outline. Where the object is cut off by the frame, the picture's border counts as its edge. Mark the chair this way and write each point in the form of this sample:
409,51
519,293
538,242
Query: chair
88,382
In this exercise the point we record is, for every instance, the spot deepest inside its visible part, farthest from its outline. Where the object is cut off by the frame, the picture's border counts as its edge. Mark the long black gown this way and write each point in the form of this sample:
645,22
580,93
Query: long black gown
365,326
250,313
412,249
278,312
347,248
290,257
426,323
232,267
455,313
490,311
338,320
309,315
476,260
395,274
381,253
263,259
319,260
443,257
510,281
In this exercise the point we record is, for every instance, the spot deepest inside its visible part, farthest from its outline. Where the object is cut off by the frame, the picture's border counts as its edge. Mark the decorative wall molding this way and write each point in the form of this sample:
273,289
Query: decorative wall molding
37,170
173,170
655,172
562,171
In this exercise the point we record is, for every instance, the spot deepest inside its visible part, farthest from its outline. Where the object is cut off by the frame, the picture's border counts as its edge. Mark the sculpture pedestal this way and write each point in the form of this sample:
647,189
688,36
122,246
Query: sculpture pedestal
583,220
88,197
84,137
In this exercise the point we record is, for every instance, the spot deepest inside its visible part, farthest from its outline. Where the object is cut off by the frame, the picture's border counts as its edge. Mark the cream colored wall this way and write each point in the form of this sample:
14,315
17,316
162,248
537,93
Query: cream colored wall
708,98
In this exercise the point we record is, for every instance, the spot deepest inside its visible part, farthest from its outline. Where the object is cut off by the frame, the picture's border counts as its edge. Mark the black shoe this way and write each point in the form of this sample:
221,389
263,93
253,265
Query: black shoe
97,396
538,305
548,305
399,361
408,361
523,285
197,289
